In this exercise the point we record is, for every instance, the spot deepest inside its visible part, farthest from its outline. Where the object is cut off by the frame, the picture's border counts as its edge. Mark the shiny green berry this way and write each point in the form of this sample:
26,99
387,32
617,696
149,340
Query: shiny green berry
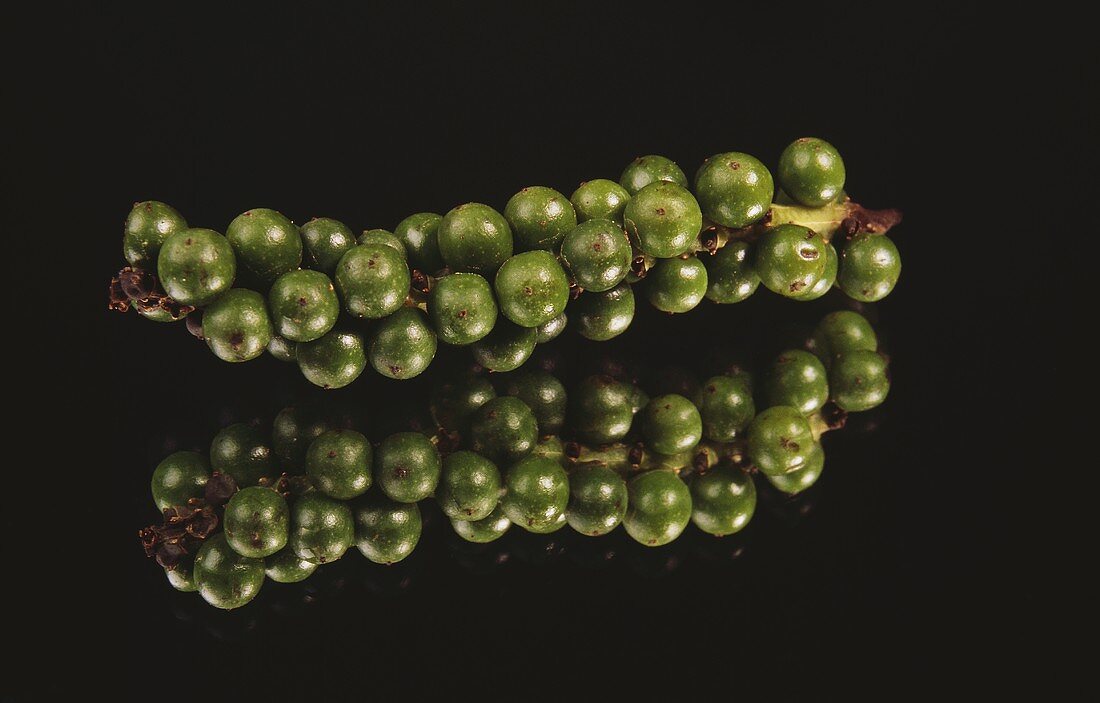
601,409
147,227
326,241
671,424
339,462
266,243
485,530
658,507
407,467
403,344
731,277
869,267
474,238
334,360
663,219
797,379
600,199
734,189
645,170
419,235
292,431
811,171
803,477
321,528
536,493
382,237
282,349
505,348
156,313
226,579
462,308
256,522
544,394
598,254
859,380
780,440
842,331
790,259
303,305
604,316
550,330
178,478
287,567
503,430
469,486
373,280
182,577
243,452
726,407
539,217
597,500
723,500
385,531
828,276
676,285
195,266
532,288
453,404
236,325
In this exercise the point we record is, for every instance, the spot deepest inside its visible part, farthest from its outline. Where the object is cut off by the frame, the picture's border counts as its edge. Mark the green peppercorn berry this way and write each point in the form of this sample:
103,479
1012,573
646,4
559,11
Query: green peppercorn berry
382,237
597,500
243,452
780,440
544,394
731,277
403,344
503,429
726,407
236,325
386,532
178,478
147,226
676,285
474,238
658,507
321,528
462,308
790,259
182,577
842,331
226,579
638,400
326,241
303,305
723,500
532,288
536,493
811,171
506,347
796,379
266,243
646,170
282,349
485,530
663,219
539,217
734,189
373,280
859,379
604,316
157,314
407,467
256,521
598,254
803,477
292,431
453,404
195,266
418,233
338,464
600,199
334,360
550,330
601,409
869,267
671,424
469,486
828,277
285,566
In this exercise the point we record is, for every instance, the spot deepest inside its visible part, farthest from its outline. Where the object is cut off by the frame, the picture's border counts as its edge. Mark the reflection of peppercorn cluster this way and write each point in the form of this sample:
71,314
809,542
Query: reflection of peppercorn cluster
547,256
520,452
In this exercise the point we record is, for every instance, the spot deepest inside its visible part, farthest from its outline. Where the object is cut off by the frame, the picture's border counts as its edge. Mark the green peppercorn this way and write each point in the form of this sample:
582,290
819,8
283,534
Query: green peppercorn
503,429
725,406
803,477
338,464
539,218
373,280
600,199
469,486
178,478
407,467
418,233
474,238
236,325
485,530
671,424
536,493
243,452
723,500
462,308
734,189
506,347
731,277
158,314
828,277
226,579
604,316
811,171
597,500
550,330
598,254
544,394
453,404
859,380
147,227
182,577
780,440
334,360
790,259
266,243
303,305
257,522
403,344
601,409
842,331
658,507
321,528
195,266
676,285
326,241
532,288
292,431
385,531
282,349
869,267
664,220
382,237
287,567
796,379
646,170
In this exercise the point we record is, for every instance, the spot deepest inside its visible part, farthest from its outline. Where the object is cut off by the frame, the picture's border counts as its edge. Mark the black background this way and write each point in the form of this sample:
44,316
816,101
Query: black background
911,564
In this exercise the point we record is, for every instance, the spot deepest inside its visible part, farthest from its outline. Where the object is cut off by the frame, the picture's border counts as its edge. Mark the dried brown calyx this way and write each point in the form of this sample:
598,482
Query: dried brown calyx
140,288
182,532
